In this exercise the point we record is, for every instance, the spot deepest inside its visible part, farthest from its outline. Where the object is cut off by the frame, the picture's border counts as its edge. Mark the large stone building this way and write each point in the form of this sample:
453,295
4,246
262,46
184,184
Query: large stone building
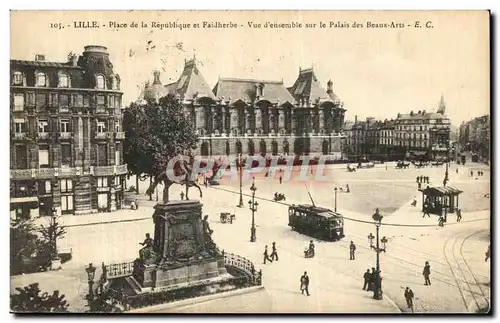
66,135
418,134
246,116
474,136
424,133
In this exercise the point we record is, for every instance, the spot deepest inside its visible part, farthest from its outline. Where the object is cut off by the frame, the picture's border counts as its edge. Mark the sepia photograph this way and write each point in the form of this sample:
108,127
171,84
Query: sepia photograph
250,162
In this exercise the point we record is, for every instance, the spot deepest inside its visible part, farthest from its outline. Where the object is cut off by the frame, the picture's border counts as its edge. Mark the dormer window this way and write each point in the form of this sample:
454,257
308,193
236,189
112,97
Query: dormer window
100,82
114,83
17,78
41,79
63,80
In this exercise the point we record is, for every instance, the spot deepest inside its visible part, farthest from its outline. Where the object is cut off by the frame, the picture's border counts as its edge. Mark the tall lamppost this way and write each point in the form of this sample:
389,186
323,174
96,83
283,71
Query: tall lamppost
240,174
90,276
253,207
335,189
377,218
446,179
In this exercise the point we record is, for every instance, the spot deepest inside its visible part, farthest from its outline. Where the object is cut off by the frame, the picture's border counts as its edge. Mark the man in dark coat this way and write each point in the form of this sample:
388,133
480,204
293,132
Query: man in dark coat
409,298
371,285
274,253
367,276
304,283
427,273
266,256
352,250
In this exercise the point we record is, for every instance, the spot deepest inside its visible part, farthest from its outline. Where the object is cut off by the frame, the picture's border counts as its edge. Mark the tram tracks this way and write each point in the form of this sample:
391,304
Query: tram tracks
472,295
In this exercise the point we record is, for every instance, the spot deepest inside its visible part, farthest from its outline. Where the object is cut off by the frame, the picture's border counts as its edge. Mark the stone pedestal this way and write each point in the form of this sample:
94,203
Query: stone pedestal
182,251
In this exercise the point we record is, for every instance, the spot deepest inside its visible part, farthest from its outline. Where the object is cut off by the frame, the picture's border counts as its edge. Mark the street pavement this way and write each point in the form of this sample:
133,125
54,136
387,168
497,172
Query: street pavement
336,281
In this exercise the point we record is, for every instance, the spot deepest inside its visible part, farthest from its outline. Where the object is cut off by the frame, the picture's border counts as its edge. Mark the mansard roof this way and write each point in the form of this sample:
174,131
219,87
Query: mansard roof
234,89
308,85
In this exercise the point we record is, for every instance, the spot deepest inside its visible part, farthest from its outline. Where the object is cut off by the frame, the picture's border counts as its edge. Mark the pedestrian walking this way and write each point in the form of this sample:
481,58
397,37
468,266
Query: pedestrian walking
427,179
426,210
304,283
441,221
266,256
457,170
459,214
182,195
281,179
409,298
274,253
427,273
367,277
471,173
418,179
352,250
419,186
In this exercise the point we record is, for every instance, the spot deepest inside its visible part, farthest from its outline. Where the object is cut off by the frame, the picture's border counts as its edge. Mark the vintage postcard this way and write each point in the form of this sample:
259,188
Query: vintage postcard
250,162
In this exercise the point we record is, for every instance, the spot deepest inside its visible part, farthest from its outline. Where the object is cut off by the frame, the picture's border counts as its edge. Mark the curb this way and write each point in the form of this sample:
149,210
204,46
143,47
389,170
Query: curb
392,303
196,300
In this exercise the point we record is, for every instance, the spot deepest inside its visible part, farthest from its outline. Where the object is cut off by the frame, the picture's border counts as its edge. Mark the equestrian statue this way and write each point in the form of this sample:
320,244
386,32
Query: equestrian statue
182,171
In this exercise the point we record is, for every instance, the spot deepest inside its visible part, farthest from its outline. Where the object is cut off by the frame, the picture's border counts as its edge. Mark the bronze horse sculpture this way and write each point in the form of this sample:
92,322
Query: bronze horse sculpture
183,172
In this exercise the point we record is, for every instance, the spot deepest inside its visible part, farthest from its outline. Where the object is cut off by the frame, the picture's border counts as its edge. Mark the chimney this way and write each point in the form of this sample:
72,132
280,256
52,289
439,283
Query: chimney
399,115
329,86
156,77
411,113
419,112
355,119
74,60
423,112
39,58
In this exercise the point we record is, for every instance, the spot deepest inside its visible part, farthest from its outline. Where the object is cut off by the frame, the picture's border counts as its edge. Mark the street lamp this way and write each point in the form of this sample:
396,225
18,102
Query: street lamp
253,207
445,180
90,276
377,218
335,189
240,172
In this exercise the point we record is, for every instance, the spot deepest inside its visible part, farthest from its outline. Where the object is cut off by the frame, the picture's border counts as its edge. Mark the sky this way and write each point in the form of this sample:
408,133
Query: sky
375,71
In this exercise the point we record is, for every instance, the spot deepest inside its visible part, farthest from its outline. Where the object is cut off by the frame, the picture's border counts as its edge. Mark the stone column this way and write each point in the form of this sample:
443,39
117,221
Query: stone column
281,120
223,121
321,117
258,120
248,122
234,121
215,126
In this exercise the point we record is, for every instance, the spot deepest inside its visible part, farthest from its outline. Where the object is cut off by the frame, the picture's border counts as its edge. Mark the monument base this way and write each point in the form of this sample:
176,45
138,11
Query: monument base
159,276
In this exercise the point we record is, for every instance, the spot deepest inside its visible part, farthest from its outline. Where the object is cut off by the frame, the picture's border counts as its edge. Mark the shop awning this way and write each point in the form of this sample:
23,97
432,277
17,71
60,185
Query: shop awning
27,199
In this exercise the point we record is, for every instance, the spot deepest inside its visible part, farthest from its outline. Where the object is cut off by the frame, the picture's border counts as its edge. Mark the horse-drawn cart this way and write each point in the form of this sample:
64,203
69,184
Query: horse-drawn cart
226,217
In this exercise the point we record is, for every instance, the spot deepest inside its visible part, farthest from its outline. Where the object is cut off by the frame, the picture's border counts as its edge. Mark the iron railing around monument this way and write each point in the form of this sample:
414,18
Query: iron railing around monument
120,270
245,265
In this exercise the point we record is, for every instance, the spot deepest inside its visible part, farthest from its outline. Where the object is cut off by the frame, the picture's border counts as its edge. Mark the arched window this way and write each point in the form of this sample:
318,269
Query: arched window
17,78
41,79
63,80
239,147
100,82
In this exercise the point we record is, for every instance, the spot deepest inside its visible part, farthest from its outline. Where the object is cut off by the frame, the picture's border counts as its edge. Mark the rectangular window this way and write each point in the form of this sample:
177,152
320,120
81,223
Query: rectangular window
21,157
54,99
67,203
18,102
66,155
41,100
86,102
64,100
102,182
43,126
31,98
117,154
102,155
117,126
101,126
19,126
78,100
111,102
41,79
101,100
43,156
66,185
65,125
48,187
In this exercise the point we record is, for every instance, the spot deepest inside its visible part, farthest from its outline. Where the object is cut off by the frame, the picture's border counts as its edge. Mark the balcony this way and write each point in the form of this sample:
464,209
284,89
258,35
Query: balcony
121,169
101,135
43,135
20,136
119,135
65,135
104,170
